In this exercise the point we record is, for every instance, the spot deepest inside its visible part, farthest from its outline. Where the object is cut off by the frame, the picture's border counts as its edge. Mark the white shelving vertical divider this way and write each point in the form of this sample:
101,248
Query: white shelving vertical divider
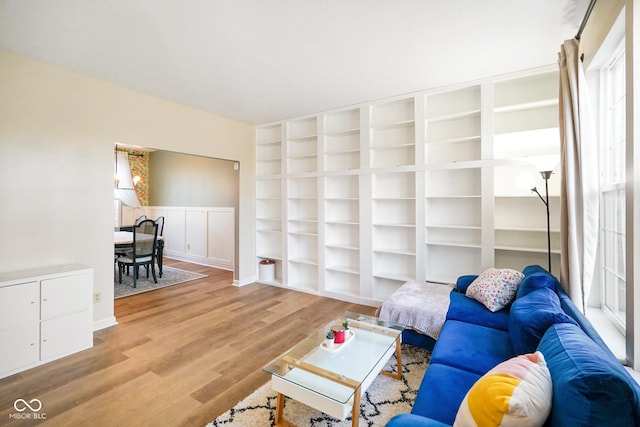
269,198
487,259
453,183
525,131
302,204
394,195
366,197
420,190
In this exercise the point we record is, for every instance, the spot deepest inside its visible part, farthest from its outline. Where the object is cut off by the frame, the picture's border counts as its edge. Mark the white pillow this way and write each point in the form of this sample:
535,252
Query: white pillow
516,393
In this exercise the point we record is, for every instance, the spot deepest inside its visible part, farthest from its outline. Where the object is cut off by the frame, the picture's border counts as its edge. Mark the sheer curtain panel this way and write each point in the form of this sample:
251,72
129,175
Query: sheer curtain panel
123,189
579,184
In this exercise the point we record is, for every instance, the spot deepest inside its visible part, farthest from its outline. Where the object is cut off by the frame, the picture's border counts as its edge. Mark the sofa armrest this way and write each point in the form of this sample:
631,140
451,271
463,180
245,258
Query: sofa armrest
412,420
463,282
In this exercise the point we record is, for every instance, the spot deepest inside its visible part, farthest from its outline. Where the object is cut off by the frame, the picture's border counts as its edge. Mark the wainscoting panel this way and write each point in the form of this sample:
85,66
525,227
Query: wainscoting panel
221,246
200,235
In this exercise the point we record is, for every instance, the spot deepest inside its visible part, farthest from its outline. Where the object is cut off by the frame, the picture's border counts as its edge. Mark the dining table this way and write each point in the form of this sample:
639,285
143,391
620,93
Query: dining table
123,240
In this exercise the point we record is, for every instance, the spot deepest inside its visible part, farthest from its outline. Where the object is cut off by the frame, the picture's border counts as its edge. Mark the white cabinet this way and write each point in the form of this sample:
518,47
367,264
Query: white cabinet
352,203
45,314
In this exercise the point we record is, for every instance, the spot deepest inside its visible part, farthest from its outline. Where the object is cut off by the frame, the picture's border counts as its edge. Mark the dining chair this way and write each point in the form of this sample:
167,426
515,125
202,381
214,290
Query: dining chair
160,222
160,244
143,251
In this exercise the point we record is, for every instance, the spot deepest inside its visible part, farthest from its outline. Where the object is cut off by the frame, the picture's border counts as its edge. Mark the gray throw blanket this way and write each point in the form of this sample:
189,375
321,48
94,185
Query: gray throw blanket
420,306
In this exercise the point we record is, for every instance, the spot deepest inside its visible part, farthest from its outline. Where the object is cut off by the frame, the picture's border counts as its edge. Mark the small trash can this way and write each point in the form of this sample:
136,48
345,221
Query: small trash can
267,270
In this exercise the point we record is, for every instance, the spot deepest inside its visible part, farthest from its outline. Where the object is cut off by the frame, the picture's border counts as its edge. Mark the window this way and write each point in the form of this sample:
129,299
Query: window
612,188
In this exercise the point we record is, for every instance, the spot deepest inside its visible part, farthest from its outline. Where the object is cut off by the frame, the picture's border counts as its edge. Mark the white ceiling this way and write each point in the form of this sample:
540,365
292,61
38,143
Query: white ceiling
260,61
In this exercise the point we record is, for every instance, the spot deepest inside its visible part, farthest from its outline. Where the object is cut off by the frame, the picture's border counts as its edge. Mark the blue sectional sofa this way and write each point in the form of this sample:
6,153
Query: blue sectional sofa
590,386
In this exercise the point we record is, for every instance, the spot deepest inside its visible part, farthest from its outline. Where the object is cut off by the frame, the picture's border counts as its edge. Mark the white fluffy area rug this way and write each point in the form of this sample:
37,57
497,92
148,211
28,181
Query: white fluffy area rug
385,398
170,276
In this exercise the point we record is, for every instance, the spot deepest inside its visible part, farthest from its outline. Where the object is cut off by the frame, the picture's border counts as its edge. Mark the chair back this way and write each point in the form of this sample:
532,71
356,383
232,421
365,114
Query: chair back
140,219
145,236
160,222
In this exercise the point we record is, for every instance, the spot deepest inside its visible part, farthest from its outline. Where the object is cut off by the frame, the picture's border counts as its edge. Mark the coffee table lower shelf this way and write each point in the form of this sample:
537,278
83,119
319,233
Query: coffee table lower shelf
319,379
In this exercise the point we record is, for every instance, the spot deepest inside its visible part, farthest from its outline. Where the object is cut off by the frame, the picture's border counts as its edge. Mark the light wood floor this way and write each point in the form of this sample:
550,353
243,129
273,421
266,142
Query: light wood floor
180,356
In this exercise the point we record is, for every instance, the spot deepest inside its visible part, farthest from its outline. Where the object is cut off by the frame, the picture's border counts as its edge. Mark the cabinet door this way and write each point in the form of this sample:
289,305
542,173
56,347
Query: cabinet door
18,348
66,295
19,305
65,335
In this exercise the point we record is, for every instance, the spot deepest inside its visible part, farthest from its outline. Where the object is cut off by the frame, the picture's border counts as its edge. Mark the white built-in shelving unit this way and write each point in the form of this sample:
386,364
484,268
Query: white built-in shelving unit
453,187
269,196
526,130
354,202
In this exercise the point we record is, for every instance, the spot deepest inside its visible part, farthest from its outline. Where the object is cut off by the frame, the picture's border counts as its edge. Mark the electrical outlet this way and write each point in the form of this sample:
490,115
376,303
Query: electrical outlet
97,297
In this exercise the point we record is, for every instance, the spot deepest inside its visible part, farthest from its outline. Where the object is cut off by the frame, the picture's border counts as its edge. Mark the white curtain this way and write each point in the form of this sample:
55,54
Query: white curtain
124,190
579,194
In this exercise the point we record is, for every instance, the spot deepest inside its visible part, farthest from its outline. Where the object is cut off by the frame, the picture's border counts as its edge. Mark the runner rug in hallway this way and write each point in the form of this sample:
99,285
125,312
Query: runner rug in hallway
385,398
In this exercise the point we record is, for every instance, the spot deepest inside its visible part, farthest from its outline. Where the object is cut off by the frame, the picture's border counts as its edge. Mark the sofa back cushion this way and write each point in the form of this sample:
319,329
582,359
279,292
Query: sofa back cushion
589,387
534,268
531,316
535,281
469,310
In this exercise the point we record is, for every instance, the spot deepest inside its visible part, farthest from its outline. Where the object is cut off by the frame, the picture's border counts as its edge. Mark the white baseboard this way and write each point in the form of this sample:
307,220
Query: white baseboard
209,262
104,323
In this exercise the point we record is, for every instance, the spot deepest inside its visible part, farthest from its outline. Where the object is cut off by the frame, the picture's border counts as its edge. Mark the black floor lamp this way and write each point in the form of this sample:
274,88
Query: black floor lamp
529,183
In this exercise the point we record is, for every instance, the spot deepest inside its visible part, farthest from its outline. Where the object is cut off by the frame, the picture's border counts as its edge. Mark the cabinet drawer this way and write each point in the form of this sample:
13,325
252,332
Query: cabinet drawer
19,305
65,295
18,348
65,335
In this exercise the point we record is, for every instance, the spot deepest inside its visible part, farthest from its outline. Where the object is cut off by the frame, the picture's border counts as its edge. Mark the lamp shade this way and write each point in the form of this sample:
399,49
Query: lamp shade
545,163
526,181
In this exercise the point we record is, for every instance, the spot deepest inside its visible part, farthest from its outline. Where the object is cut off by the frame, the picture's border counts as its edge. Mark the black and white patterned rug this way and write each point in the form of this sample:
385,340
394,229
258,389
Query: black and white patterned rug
170,276
385,398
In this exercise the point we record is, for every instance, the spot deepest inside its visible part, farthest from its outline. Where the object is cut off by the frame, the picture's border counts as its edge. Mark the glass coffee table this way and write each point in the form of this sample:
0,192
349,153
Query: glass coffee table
332,379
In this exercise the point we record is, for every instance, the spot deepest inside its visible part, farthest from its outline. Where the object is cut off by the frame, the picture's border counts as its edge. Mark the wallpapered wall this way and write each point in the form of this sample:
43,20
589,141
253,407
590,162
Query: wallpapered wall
139,164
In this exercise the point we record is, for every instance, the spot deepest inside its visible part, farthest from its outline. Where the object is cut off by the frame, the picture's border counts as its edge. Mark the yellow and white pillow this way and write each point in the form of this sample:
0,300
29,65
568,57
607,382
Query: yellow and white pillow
516,392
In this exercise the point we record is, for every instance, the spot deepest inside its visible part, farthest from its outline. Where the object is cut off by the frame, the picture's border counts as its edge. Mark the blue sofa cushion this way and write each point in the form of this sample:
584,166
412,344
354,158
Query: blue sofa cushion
441,392
531,269
463,282
536,281
469,310
531,316
412,420
589,388
473,348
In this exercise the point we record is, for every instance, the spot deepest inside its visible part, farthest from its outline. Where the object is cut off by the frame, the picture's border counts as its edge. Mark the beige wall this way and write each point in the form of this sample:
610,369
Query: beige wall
602,17
57,134
185,180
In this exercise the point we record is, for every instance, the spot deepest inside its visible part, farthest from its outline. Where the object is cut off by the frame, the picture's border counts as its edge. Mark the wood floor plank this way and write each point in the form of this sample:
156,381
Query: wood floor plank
179,356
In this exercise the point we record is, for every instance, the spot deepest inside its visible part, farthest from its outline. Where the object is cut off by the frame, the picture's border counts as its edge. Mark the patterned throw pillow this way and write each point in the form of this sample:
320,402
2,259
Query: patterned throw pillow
516,393
495,288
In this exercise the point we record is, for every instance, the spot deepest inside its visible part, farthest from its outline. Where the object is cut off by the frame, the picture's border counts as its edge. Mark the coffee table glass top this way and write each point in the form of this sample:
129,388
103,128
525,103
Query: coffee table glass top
337,372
